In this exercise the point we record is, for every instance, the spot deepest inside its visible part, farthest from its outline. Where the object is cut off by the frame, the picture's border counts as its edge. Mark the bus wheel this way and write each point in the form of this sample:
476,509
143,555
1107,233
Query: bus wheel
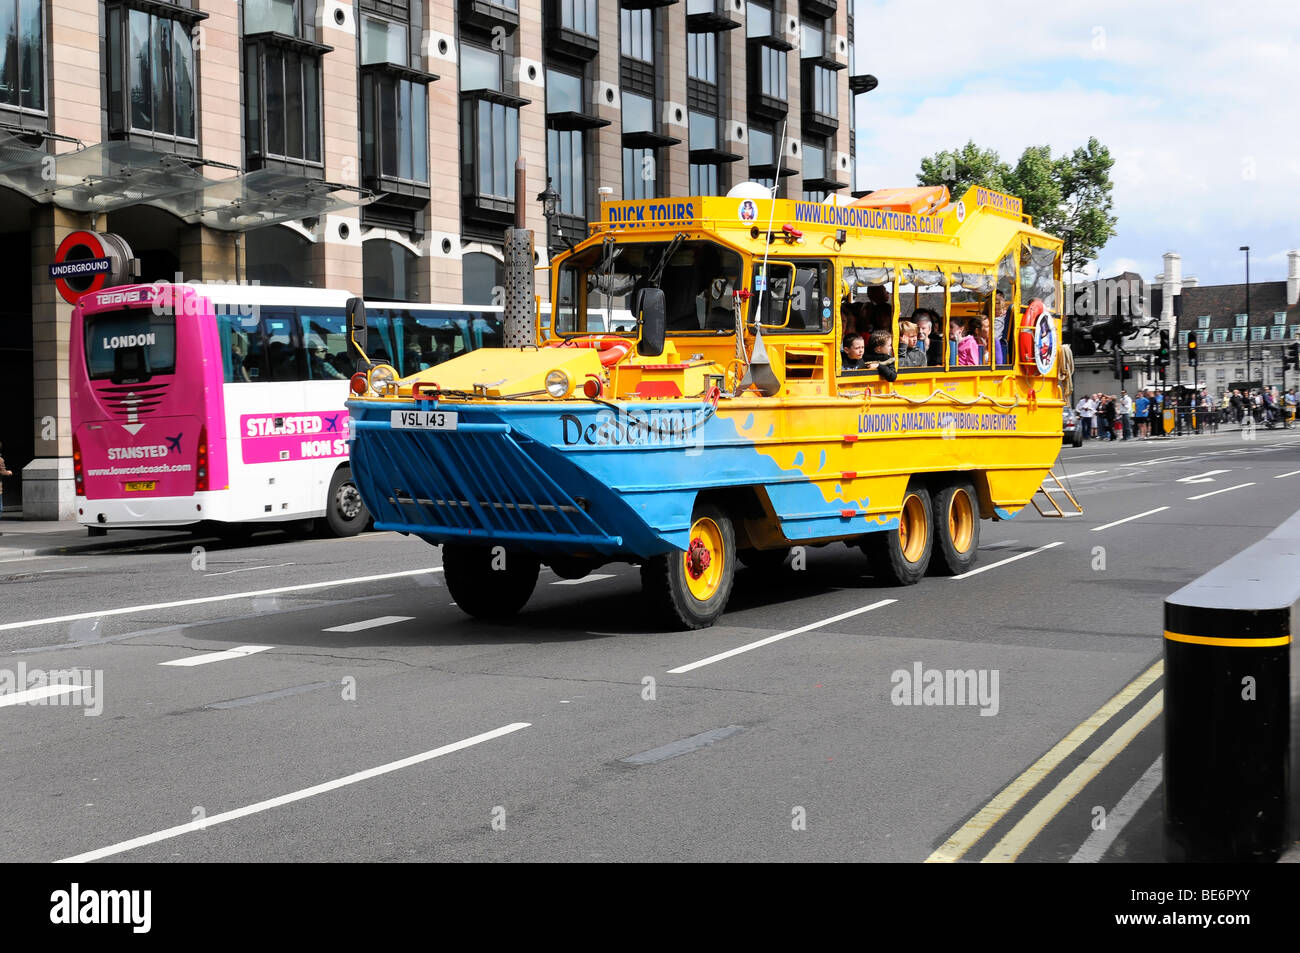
957,529
690,590
489,583
345,512
901,556
764,561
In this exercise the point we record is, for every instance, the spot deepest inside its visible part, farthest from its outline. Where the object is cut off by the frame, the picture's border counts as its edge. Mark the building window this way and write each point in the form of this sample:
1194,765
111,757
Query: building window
287,17
702,57
1279,318
704,178
278,256
823,95
812,38
1257,334
394,117
22,55
1239,334
703,130
284,120
579,16
814,161
758,19
482,278
150,74
1182,339
489,135
636,35
1242,319
566,147
1276,332
565,160
639,173
389,271
1203,323
1220,335
772,74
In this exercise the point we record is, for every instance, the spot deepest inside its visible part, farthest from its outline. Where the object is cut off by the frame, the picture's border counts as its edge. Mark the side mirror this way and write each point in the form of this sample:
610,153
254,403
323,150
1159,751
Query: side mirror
355,310
652,317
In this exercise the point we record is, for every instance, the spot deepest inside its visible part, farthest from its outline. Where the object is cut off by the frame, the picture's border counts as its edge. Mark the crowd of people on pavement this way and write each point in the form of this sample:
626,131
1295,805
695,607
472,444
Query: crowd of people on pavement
1123,417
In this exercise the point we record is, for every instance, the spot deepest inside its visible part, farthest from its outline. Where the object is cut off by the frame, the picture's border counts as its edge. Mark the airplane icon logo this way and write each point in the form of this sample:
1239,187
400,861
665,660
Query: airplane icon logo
174,443
331,423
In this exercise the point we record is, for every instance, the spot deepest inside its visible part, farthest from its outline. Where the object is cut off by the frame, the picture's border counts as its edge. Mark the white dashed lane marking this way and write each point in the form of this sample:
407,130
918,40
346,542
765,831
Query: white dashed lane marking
370,623
226,656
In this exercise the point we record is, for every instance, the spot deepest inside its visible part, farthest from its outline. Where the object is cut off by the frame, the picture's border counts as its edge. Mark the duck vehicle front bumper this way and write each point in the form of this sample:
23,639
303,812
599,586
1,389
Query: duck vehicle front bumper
526,475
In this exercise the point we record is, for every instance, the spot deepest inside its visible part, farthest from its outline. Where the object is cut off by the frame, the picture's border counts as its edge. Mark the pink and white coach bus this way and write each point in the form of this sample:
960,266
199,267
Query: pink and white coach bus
224,404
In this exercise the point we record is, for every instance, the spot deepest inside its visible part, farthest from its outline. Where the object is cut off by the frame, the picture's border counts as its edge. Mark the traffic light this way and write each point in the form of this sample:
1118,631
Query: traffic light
1191,348
1126,373
1292,356
1119,363
1162,356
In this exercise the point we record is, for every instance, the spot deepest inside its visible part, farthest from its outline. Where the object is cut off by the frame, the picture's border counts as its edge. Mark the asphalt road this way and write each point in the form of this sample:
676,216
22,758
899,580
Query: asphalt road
365,718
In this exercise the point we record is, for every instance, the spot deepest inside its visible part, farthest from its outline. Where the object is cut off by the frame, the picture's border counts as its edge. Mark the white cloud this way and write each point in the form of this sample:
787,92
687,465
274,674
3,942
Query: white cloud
1195,102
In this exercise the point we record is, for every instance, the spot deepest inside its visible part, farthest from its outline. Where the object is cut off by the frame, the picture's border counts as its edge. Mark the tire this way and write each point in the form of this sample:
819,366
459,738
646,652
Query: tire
683,590
956,520
486,592
1078,438
901,556
764,560
345,511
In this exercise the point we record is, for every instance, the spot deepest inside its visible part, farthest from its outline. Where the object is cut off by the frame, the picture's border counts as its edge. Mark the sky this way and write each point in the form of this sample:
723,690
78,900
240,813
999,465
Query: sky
1199,104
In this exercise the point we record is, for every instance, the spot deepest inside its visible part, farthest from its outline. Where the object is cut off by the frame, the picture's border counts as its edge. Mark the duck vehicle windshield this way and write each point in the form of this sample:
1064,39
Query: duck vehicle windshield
767,374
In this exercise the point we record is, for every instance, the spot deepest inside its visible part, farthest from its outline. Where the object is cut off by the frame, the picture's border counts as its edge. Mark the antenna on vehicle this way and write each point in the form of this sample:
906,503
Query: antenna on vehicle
759,371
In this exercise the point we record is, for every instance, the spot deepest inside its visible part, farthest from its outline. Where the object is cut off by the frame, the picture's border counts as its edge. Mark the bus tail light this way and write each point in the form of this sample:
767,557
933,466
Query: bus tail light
201,462
78,473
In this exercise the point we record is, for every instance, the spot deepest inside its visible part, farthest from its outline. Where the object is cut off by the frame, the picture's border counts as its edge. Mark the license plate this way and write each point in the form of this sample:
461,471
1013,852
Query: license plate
423,420
141,485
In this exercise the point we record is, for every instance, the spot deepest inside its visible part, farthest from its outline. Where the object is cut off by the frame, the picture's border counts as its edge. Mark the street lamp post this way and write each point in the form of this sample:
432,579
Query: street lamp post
550,200
1246,249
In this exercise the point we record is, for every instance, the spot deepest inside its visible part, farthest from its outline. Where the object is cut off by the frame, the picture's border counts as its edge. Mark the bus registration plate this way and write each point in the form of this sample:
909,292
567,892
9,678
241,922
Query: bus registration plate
141,485
423,420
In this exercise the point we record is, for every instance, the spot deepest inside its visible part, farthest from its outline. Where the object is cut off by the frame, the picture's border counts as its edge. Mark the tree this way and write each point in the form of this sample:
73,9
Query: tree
962,168
1068,197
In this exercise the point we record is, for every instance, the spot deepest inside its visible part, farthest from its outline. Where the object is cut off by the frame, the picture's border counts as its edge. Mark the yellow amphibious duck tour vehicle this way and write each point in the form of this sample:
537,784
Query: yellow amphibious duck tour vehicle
725,426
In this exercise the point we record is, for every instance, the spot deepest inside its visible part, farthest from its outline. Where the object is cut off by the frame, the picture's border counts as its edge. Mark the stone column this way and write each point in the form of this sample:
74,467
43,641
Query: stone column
48,489
441,251
337,252
674,161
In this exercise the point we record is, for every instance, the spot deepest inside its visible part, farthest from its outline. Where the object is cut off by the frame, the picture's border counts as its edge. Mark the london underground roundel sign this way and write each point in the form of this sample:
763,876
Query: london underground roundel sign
87,261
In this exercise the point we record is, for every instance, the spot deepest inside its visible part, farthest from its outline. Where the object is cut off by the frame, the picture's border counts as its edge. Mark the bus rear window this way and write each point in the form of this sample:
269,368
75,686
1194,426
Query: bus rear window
130,345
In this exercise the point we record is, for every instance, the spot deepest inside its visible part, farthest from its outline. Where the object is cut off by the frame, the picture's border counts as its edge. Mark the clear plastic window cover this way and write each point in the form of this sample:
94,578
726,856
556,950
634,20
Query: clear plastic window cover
922,277
1037,277
981,284
862,276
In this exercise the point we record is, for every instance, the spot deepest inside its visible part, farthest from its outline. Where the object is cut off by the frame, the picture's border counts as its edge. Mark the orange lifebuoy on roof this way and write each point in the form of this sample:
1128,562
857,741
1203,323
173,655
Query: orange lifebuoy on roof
612,348
1038,343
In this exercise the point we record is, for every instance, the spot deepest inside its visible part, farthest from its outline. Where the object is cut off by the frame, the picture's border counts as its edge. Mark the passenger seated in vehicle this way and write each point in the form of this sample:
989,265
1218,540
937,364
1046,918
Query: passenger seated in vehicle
955,335
1002,322
853,314
854,348
928,336
879,310
909,353
880,355
972,351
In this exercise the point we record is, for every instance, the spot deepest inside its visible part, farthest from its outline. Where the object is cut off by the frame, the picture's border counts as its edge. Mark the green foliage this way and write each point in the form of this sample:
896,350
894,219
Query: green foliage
1068,196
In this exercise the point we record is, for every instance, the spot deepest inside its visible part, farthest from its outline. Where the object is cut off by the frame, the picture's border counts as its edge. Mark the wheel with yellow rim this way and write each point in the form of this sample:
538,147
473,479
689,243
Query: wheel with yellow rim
901,556
689,589
957,529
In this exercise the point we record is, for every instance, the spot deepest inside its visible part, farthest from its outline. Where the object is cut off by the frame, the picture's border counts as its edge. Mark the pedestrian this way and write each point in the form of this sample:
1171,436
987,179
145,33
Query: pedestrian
3,473
1086,408
1107,416
1140,408
1126,413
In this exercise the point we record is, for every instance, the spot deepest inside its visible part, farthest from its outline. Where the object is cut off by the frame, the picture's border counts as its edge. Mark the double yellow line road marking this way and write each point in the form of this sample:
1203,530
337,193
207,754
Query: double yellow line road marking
1019,837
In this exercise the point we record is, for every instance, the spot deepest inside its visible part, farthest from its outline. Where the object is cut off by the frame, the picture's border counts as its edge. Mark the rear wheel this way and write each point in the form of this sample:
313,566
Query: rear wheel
956,529
489,583
689,590
345,512
901,556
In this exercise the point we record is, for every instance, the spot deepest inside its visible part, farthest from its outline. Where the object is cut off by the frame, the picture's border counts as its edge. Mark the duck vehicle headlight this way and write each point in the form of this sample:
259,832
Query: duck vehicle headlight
558,384
382,379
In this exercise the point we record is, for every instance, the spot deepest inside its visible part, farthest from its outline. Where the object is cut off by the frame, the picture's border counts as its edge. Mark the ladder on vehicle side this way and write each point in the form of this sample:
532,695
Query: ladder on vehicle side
1056,512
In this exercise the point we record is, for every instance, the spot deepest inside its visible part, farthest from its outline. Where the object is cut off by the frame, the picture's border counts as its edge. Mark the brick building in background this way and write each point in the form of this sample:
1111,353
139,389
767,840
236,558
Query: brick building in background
370,144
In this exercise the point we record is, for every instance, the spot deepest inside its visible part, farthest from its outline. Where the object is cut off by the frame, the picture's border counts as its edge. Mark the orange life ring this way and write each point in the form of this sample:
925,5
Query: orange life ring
1037,355
612,348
